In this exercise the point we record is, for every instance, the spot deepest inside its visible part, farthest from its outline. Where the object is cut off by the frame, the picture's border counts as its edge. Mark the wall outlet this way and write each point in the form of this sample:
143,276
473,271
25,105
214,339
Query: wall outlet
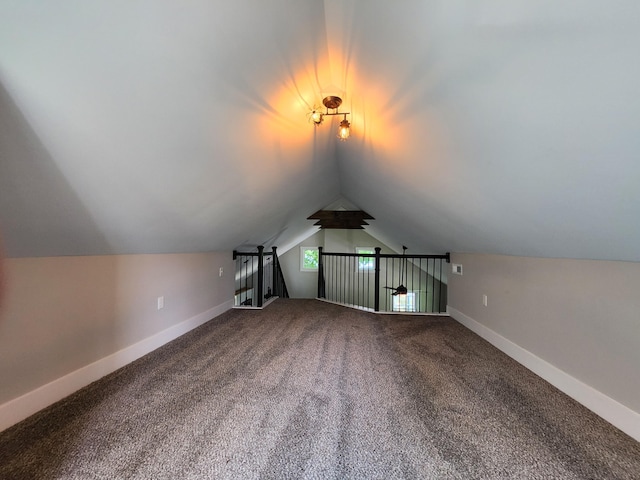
485,300
221,271
456,268
160,303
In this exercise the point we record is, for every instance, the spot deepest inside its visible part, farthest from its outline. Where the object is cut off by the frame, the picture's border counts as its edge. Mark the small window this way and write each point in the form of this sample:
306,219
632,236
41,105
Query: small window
404,303
366,263
309,259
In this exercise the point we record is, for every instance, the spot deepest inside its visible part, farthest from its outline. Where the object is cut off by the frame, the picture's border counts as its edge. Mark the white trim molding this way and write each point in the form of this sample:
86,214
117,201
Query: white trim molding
18,409
618,415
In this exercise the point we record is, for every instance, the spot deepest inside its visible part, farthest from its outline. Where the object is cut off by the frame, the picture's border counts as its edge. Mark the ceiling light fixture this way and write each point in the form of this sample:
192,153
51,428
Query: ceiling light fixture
401,289
332,103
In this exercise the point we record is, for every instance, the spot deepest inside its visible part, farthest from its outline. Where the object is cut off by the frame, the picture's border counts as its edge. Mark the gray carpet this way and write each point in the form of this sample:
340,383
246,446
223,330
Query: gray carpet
305,389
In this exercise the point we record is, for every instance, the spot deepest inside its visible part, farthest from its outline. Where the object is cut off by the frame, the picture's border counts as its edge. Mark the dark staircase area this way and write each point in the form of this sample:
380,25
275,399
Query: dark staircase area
258,278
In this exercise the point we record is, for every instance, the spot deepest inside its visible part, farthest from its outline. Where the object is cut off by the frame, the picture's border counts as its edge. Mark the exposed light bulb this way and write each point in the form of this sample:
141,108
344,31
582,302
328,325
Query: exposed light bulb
343,131
316,117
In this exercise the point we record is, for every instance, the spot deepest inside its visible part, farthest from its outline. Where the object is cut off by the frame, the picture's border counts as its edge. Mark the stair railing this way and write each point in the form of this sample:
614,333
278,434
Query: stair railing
258,278
384,282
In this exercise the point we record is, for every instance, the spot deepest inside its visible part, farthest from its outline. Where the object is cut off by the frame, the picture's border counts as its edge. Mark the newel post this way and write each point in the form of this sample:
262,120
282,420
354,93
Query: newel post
376,301
275,269
321,286
260,275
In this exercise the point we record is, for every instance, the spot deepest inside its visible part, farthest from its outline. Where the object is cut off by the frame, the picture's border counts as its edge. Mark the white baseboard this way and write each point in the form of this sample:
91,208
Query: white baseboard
26,405
264,305
609,409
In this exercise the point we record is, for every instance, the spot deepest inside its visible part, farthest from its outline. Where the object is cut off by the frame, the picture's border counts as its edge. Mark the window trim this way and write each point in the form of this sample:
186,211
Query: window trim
302,267
413,294
372,264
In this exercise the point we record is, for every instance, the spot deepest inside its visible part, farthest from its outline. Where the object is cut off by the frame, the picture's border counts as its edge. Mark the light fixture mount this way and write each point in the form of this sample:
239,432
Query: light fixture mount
332,102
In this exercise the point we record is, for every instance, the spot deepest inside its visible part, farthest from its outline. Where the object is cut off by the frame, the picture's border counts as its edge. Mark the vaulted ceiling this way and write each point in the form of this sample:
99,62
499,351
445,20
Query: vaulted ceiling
499,126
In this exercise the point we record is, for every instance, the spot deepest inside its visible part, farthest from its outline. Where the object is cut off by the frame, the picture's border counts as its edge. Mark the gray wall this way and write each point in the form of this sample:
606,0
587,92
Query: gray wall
300,284
60,314
580,316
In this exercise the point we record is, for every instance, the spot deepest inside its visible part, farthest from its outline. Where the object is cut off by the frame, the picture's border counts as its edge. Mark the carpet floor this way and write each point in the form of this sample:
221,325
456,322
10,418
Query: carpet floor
306,389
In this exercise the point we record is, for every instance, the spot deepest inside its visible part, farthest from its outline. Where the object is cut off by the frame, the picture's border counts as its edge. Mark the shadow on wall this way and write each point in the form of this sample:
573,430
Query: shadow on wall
1,272
40,214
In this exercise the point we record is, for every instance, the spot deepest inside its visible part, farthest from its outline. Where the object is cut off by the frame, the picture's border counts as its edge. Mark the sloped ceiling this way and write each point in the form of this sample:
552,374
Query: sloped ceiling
499,126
